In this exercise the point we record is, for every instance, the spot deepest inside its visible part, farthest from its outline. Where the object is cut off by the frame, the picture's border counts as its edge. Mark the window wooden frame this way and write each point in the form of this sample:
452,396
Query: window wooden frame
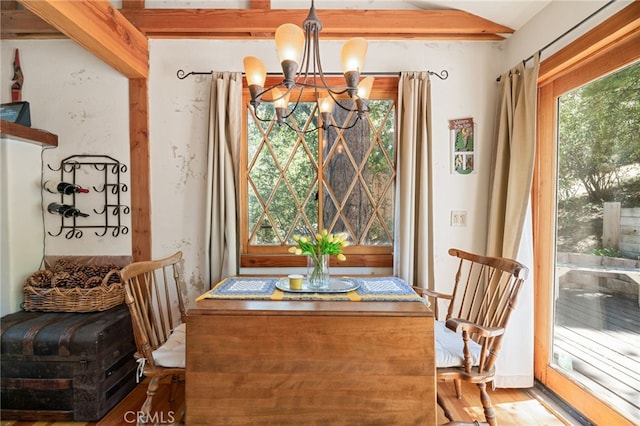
385,87
610,46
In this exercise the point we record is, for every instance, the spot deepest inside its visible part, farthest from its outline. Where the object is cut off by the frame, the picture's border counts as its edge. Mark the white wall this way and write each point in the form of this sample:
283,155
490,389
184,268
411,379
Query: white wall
85,102
76,96
21,230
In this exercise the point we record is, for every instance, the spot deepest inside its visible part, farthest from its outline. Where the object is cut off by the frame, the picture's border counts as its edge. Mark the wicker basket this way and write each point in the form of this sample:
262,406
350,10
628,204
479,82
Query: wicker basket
100,298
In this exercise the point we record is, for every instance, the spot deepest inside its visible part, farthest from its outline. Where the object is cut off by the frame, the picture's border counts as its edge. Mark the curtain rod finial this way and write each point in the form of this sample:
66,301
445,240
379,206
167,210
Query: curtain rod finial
444,74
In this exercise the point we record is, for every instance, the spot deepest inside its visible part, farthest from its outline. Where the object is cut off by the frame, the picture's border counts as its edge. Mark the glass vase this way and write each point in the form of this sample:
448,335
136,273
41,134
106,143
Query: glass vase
318,271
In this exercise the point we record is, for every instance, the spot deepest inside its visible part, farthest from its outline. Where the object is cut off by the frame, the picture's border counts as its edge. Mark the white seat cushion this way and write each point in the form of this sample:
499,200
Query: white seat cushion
449,347
172,353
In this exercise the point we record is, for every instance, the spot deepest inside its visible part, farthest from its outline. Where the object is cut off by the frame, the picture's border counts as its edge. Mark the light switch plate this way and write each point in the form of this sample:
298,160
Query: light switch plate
458,218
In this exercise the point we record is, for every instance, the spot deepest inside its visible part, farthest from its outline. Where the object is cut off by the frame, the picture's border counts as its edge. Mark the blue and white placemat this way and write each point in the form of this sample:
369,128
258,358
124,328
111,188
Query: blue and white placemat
374,289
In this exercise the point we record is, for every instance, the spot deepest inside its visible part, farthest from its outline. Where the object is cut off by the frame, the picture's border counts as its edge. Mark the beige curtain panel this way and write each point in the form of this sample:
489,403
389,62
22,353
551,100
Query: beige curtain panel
513,157
414,246
223,150
509,231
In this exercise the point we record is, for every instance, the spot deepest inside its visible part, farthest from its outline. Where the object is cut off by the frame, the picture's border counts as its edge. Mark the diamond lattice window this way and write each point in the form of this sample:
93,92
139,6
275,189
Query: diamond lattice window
339,180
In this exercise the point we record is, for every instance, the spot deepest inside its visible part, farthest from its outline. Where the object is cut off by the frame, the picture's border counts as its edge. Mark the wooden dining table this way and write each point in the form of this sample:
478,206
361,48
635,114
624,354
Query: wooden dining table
280,358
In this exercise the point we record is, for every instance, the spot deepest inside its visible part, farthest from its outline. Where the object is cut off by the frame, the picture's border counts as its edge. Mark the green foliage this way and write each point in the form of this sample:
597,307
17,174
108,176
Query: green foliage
607,252
599,134
598,157
324,243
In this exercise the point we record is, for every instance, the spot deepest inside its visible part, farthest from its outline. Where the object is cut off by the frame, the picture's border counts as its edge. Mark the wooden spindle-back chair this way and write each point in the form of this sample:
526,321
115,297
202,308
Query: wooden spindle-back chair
153,292
469,338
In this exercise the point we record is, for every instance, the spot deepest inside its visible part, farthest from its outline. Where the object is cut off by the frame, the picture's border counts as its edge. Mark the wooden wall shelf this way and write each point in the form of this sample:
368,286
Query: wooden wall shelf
27,134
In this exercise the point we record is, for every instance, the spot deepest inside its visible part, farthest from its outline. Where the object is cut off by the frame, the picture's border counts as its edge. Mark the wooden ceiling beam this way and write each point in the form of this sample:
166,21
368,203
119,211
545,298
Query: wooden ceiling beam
8,5
372,24
341,36
99,28
25,24
258,24
260,4
133,4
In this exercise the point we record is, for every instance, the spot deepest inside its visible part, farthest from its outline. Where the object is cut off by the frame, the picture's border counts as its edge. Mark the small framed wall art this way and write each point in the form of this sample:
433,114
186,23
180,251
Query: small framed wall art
463,150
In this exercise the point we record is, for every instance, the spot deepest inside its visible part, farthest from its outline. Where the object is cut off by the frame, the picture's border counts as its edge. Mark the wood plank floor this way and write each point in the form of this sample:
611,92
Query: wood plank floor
521,407
597,343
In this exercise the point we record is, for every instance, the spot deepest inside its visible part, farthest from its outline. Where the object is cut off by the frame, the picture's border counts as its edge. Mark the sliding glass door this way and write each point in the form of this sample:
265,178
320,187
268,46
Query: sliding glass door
588,234
596,327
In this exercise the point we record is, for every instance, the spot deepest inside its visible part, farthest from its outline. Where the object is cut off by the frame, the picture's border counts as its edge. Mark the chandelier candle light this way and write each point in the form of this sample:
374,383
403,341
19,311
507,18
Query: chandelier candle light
318,252
307,74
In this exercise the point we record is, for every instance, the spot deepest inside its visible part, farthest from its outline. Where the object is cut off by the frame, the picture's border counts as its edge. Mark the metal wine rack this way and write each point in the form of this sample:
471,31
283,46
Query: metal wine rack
110,187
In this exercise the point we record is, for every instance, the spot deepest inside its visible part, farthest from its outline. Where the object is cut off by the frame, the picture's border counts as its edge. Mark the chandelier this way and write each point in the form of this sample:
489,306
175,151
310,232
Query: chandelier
306,74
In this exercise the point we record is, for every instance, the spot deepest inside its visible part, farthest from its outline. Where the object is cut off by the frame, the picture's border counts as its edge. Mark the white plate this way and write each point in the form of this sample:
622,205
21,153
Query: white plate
336,285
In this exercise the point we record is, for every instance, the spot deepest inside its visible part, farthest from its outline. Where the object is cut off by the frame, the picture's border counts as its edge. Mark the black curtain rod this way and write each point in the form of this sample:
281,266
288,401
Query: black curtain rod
524,61
442,75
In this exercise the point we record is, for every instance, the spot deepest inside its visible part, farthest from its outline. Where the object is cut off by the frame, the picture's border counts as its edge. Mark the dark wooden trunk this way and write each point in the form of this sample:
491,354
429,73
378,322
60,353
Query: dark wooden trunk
65,366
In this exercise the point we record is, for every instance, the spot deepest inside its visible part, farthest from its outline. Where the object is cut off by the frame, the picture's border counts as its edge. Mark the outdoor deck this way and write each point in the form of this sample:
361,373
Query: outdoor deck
597,339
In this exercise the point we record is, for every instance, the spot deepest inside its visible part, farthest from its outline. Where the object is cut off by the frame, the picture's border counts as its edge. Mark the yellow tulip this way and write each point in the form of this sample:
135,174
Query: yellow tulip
341,257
